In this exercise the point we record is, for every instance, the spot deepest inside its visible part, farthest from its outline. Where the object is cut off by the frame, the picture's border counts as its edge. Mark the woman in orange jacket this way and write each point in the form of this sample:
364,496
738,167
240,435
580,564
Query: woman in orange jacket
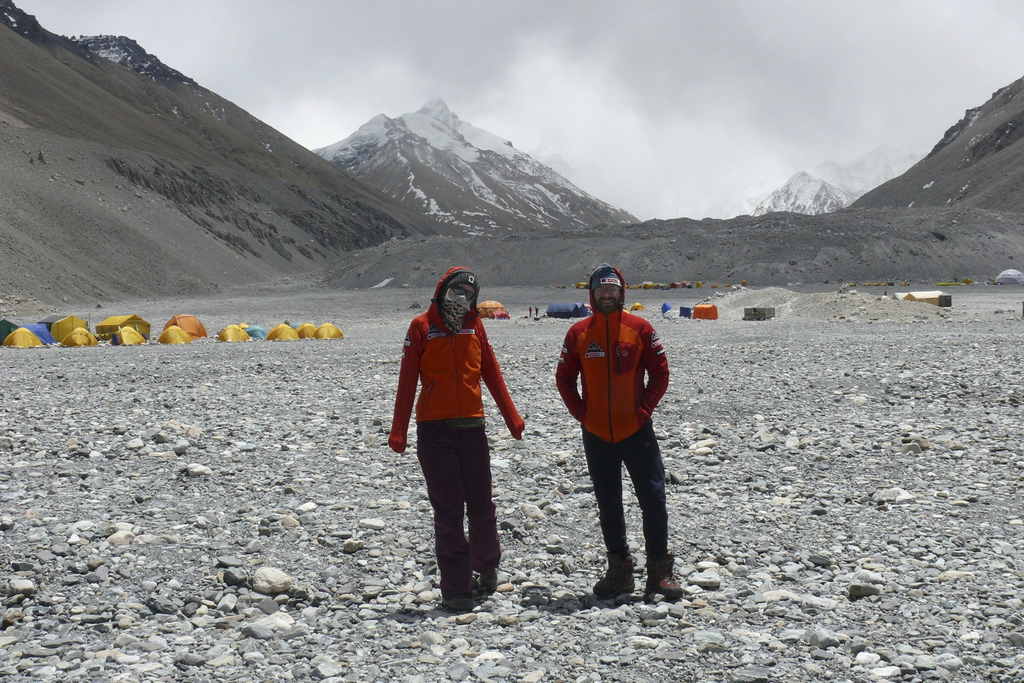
447,354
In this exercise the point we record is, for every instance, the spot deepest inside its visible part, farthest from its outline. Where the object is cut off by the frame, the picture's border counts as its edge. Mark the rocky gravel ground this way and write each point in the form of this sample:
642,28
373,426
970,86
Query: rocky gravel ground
846,502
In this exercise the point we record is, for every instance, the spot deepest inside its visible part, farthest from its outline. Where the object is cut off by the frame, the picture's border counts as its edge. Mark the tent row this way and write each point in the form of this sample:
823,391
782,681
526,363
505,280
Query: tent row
129,330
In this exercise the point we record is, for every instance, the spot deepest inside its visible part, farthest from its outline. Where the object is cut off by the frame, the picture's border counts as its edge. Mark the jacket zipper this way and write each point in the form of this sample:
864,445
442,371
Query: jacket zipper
608,359
458,380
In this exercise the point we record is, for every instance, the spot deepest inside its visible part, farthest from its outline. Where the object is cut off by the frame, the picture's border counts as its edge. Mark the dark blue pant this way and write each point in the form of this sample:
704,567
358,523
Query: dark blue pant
457,466
642,458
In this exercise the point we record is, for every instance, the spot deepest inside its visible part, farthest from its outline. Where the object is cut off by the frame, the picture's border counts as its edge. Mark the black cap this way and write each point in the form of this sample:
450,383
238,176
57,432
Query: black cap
462,277
605,275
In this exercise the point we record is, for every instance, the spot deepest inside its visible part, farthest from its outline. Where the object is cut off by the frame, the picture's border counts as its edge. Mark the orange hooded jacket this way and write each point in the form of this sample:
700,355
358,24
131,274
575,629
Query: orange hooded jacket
449,368
611,353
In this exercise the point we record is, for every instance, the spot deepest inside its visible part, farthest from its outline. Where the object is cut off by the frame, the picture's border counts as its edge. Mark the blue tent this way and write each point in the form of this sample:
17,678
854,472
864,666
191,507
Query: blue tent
40,330
256,332
665,308
686,311
577,310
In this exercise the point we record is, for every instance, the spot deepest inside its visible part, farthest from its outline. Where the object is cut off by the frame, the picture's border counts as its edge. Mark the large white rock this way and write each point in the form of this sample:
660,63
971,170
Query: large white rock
270,581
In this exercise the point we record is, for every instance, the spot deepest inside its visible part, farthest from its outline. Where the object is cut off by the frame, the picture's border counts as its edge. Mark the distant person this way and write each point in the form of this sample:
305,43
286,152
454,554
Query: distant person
447,353
611,351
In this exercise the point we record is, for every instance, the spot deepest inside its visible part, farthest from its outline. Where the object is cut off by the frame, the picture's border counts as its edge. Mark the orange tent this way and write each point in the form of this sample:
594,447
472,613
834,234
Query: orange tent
189,323
705,312
491,309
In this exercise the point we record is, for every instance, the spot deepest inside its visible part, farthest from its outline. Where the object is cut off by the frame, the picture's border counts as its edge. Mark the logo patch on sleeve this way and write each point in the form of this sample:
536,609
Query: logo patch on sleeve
408,342
655,341
594,351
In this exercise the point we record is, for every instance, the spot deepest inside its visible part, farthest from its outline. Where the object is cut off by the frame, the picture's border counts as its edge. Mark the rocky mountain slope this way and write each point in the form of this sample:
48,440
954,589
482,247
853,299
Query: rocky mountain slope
881,245
146,183
979,162
474,182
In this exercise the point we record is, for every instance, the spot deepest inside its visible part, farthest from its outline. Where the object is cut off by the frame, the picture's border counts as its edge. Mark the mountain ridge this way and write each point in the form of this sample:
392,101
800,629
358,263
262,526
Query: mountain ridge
263,206
978,162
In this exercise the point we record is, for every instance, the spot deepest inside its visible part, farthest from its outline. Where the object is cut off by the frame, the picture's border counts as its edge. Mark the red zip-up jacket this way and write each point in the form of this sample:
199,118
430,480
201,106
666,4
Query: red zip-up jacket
448,367
612,352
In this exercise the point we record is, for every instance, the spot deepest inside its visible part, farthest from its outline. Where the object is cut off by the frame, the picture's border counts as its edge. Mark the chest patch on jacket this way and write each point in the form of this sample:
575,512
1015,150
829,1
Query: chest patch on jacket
434,333
594,351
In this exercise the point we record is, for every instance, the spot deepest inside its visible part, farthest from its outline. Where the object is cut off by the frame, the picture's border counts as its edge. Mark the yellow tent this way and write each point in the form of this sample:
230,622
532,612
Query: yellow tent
66,326
127,336
306,330
933,298
637,307
233,333
282,332
78,337
109,327
22,339
328,331
174,335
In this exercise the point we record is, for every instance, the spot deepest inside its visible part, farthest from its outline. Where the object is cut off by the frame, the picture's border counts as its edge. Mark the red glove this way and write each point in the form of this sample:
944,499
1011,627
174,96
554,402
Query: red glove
517,429
397,442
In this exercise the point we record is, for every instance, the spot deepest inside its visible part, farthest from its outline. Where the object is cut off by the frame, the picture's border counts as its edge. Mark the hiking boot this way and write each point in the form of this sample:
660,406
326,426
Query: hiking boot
618,579
487,581
458,603
660,578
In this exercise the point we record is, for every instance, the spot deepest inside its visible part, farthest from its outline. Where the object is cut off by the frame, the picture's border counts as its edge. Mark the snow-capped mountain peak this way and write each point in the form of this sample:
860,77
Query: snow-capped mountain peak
833,185
803,193
438,110
464,176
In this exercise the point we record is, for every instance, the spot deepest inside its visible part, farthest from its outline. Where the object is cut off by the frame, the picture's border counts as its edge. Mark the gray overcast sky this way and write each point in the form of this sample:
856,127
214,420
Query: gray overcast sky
663,107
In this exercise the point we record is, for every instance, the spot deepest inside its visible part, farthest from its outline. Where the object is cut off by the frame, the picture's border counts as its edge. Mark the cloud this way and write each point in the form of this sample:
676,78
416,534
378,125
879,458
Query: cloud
663,107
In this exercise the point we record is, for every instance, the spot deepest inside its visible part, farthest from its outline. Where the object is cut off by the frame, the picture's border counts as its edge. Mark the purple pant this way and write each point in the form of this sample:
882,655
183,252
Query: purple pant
457,466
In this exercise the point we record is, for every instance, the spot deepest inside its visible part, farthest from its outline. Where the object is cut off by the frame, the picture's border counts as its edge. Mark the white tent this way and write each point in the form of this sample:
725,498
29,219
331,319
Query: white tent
1010,277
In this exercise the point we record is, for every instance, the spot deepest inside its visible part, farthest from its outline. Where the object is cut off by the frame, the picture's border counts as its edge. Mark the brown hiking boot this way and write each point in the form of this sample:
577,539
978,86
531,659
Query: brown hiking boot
487,581
458,603
660,578
618,579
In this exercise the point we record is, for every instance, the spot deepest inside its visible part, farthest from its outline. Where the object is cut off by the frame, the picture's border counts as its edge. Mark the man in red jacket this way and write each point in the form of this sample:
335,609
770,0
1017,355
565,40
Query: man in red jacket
447,353
610,352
